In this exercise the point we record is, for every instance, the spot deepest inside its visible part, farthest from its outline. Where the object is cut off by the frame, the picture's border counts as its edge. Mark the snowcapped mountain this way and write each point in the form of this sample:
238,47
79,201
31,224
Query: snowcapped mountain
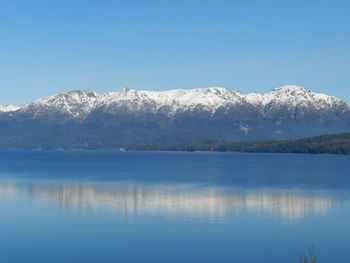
79,104
209,99
294,96
75,103
129,116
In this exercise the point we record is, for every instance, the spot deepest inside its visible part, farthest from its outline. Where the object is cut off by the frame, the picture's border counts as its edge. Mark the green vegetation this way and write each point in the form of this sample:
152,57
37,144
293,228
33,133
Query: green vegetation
310,257
325,144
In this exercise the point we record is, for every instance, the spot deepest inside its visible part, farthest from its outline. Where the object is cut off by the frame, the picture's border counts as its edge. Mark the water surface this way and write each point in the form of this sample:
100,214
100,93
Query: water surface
172,207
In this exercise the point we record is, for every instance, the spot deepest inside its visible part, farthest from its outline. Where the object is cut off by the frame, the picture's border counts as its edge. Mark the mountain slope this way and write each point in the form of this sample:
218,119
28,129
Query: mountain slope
73,104
86,120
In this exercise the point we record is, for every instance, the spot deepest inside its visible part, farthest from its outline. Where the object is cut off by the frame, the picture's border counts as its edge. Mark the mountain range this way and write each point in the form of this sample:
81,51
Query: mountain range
85,120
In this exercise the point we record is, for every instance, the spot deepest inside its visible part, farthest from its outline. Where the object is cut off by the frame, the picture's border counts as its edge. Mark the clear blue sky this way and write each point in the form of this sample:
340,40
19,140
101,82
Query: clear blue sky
48,47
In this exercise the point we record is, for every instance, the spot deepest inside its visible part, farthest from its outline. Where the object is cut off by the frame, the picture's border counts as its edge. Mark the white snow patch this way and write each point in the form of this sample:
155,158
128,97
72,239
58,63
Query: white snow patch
9,108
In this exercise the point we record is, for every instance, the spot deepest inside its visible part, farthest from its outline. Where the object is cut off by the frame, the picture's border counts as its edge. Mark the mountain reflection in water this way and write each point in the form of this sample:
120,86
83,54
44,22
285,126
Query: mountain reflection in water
133,199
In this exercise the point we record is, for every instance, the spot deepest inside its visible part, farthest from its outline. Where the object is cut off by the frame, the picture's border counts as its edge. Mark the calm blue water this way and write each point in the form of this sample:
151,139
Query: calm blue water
172,207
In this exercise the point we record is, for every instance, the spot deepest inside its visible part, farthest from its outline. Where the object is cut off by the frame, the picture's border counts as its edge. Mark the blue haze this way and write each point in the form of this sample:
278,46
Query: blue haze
49,47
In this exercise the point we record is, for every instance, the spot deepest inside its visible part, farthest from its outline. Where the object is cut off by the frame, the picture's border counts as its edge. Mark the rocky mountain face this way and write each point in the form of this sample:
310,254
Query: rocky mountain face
86,120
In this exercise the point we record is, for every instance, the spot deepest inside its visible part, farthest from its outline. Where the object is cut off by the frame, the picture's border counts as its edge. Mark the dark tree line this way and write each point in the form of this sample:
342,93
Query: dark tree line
325,144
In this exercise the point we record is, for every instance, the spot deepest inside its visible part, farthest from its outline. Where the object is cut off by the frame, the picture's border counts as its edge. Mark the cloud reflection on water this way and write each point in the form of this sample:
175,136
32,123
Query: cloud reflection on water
190,200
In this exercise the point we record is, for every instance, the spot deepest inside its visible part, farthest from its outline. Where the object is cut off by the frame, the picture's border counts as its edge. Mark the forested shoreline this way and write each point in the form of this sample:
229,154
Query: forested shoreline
325,144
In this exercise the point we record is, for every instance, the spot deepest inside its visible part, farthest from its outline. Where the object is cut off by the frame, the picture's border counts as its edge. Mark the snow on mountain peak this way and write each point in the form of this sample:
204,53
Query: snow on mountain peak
79,103
9,108
176,100
75,103
290,89
292,96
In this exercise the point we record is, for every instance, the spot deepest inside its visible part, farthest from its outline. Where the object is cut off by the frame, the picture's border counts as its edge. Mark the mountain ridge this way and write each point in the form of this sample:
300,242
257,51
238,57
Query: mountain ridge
210,99
86,120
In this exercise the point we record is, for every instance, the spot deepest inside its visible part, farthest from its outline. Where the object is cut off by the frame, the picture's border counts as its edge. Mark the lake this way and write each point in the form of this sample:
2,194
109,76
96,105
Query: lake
91,206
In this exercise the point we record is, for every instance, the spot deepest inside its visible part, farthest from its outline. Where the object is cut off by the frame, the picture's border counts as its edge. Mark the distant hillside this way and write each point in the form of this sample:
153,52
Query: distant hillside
325,144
